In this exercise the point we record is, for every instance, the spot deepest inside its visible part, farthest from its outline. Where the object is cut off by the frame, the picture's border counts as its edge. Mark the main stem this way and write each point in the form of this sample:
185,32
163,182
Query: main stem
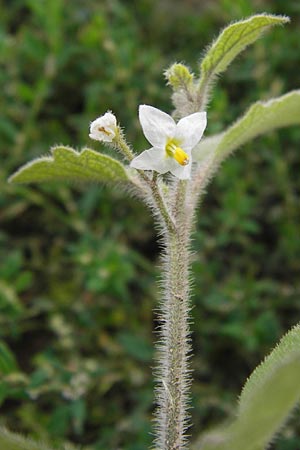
173,373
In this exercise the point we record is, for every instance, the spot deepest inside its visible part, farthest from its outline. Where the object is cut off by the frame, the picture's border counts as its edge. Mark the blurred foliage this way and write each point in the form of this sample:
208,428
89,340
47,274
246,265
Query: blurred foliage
78,265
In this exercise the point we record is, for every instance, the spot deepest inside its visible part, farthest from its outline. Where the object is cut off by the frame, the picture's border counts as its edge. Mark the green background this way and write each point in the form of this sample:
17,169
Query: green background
78,265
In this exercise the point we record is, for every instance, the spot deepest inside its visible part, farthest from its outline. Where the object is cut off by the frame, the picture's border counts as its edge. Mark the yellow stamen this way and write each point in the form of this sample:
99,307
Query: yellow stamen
172,149
104,130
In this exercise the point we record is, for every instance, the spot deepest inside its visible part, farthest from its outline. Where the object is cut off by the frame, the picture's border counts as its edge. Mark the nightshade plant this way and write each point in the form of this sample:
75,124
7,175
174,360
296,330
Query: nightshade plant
170,177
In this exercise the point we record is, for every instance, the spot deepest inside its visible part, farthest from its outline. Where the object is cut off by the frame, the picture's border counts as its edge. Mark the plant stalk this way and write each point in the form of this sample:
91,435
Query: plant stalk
173,372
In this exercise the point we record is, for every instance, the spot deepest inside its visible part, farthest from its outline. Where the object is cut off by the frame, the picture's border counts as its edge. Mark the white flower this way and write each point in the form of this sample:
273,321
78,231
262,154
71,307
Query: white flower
172,143
104,128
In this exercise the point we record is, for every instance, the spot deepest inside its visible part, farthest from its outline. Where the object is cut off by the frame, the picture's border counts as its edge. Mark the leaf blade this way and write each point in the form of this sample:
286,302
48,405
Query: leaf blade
260,118
269,396
234,39
288,347
67,164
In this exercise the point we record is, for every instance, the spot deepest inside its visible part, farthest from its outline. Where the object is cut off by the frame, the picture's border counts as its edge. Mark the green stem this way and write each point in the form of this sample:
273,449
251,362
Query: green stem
173,374
162,208
202,93
159,202
180,197
123,147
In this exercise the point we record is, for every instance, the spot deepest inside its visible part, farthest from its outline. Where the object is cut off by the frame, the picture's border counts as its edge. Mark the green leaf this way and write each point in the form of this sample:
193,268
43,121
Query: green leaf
269,396
8,363
233,40
13,441
260,118
66,164
287,349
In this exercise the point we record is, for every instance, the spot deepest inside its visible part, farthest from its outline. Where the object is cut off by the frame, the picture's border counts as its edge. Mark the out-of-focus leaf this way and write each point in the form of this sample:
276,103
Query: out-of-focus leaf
67,164
13,441
135,346
8,362
9,300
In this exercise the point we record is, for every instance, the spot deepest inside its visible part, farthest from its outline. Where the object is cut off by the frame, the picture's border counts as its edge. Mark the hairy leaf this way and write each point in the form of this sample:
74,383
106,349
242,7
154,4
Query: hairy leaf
13,441
69,165
260,118
288,347
233,40
267,400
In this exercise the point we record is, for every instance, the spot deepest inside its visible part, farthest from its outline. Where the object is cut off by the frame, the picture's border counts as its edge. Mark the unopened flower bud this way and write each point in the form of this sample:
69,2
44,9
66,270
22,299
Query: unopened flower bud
178,75
104,128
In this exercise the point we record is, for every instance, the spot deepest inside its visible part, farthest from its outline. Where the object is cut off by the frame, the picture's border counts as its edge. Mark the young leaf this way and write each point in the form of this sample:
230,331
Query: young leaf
67,164
260,118
232,41
269,396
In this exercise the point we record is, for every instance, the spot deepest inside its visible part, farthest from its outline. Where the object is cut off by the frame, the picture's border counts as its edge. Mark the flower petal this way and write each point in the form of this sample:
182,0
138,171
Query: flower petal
152,159
104,128
157,125
181,172
190,129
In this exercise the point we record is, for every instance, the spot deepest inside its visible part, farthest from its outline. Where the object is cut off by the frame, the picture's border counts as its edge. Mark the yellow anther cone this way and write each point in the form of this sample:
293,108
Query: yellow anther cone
172,149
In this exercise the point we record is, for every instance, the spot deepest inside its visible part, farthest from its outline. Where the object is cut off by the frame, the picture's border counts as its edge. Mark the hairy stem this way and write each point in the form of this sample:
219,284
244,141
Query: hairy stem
173,374
202,93
123,147
161,207
159,202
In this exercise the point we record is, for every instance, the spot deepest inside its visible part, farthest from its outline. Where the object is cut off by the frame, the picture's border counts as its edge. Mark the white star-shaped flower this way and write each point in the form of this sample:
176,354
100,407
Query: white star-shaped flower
104,128
172,143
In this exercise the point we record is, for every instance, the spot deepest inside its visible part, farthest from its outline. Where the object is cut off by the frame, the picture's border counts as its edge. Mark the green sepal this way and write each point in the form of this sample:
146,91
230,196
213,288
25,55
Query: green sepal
67,164
179,76
260,118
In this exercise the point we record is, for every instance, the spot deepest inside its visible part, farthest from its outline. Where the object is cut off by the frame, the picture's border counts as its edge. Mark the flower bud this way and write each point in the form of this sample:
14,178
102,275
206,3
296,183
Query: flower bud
178,76
104,128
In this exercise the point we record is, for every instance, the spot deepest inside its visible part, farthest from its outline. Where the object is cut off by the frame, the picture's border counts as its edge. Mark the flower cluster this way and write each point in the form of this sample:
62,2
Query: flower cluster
172,143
